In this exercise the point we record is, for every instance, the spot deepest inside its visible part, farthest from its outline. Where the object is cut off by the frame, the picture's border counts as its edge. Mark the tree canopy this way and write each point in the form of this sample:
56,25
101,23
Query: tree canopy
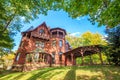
105,12
113,48
86,39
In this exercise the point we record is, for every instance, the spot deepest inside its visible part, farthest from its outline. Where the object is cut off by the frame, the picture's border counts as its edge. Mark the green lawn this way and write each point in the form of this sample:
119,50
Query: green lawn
66,73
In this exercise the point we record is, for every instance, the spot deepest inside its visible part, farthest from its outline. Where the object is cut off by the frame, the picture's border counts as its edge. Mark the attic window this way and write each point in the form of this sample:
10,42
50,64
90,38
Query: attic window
41,31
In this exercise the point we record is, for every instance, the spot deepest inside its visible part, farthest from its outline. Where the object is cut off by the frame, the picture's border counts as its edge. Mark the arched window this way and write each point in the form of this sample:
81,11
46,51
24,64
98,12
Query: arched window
60,43
41,31
18,56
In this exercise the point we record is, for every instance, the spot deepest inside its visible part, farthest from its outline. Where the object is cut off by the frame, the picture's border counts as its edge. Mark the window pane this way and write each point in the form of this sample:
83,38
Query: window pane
39,44
41,31
53,57
60,53
60,43
36,57
54,43
18,56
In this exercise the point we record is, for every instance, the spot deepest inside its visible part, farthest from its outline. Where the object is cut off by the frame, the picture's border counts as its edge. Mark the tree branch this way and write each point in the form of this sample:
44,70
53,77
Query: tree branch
7,25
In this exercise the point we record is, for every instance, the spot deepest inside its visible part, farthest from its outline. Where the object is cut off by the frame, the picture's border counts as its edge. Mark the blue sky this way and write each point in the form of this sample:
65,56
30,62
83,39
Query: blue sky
61,19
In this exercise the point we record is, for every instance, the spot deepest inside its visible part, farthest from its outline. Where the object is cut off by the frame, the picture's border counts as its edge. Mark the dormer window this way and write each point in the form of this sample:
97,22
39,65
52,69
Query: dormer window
41,31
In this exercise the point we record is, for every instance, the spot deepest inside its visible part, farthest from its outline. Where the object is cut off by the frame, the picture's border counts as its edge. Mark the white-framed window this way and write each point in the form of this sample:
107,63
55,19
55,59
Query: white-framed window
60,43
18,56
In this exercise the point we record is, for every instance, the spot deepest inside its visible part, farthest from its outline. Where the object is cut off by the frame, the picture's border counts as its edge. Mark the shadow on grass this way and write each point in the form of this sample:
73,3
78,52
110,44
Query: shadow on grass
48,76
19,76
6,72
71,74
39,74
107,72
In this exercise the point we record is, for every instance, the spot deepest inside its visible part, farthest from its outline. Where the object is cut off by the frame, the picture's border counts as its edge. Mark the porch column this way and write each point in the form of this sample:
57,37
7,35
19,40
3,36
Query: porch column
72,62
91,61
49,60
82,57
101,57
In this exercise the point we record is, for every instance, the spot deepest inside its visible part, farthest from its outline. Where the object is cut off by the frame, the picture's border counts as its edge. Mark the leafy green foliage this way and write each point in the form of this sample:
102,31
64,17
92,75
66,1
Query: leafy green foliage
13,13
89,38
86,39
105,12
113,49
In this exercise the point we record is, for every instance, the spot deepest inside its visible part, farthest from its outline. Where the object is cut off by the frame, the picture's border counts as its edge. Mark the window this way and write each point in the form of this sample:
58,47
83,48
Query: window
53,57
60,53
60,56
36,57
41,31
54,43
54,33
22,43
18,56
29,35
60,43
61,33
29,58
39,44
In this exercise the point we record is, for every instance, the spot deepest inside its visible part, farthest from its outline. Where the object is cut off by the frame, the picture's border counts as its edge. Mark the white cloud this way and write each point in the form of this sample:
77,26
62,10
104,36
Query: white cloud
80,18
22,18
75,34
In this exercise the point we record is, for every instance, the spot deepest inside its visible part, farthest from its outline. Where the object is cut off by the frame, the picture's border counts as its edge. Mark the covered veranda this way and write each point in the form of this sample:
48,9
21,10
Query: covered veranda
70,56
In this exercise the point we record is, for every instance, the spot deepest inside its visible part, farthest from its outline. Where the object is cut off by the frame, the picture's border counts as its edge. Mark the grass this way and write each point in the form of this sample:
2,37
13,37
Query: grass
66,73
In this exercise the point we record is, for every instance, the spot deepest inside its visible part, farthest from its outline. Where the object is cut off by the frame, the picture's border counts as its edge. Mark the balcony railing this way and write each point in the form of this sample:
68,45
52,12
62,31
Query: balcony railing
43,36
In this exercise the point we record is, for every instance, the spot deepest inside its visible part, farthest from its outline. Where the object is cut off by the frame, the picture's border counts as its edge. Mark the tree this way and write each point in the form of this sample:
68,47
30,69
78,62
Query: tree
12,12
73,40
113,49
7,60
105,12
89,38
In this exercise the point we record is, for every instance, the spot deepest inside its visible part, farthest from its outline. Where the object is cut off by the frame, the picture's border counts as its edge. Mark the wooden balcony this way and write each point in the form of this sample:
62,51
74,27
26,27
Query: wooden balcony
43,36
57,36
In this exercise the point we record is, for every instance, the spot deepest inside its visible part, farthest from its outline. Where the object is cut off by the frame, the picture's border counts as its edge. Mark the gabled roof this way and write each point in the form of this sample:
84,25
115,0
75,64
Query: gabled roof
32,29
29,29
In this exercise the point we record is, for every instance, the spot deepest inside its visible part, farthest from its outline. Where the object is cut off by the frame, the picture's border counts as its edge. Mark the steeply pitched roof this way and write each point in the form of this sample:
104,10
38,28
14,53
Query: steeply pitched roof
32,28
29,29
